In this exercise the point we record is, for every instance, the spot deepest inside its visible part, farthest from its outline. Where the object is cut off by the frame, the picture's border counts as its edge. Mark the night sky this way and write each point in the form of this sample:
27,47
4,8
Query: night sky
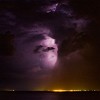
49,44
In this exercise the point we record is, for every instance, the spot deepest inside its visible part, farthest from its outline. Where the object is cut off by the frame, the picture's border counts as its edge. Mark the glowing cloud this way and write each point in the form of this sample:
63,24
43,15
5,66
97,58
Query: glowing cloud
47,52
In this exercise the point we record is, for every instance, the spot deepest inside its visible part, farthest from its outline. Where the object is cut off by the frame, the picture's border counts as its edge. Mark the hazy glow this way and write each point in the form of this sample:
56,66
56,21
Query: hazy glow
50,57
61,90
48,41
47,57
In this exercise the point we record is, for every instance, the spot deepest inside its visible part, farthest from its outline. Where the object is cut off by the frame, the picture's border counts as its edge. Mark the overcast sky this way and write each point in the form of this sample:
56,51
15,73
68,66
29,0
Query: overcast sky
49,44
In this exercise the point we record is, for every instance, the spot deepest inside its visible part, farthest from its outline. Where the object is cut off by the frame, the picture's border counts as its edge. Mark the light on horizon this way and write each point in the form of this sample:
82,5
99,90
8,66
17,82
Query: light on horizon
61,90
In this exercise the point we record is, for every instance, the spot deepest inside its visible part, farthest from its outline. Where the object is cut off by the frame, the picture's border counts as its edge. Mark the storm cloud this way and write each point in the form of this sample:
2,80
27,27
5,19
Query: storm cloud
32,30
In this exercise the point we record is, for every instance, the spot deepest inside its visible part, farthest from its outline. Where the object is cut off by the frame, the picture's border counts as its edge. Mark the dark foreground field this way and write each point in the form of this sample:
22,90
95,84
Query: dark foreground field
23,95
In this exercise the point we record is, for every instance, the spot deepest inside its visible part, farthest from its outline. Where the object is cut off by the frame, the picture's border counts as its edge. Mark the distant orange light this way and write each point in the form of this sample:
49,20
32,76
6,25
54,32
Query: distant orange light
60,90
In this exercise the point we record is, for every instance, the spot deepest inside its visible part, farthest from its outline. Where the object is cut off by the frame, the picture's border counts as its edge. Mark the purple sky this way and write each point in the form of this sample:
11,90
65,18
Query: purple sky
49,44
